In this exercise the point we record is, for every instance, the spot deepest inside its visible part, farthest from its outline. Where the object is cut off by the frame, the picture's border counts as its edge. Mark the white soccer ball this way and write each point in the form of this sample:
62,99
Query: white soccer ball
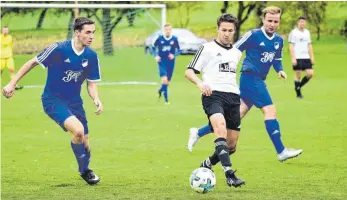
202,180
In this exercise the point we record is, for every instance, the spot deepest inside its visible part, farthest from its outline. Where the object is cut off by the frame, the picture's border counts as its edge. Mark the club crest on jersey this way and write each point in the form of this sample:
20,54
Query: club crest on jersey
71,75
84,63
172,42
277,45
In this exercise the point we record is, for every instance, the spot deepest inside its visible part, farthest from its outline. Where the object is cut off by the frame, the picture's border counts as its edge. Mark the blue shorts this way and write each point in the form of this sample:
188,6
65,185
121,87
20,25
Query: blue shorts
166,68
59,111
253,91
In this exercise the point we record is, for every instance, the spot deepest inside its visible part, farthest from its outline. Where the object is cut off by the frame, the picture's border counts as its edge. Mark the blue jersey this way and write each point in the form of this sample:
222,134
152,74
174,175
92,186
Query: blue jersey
163,46
262,52
67,70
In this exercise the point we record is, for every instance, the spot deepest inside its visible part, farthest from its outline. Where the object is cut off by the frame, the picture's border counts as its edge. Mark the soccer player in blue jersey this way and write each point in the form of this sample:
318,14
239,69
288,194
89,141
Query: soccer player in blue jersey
68,64
165,49
263,49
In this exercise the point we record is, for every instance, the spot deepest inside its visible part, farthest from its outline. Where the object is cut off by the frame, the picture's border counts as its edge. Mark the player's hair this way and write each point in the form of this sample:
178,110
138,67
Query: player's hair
5,26
80,22
226,17
302,17
166,25
272,10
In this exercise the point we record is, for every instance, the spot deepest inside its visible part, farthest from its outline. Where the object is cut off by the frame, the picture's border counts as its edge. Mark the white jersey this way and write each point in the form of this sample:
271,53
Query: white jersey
300,40
218,65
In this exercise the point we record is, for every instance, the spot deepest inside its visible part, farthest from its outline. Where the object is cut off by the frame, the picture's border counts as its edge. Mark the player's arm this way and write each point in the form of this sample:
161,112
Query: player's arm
277,64
291,48
178,50
310,50
195,67
155,49
93,93
93,77
8,90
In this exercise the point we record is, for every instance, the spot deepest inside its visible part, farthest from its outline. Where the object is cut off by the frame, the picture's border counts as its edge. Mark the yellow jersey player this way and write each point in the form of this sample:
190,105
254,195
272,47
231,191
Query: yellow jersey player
7,54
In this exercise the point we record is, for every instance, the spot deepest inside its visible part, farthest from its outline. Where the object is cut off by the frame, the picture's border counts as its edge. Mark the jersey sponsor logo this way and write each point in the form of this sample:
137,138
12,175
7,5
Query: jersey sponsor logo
84,63
267,57
166,48
71,75
277,45
225,67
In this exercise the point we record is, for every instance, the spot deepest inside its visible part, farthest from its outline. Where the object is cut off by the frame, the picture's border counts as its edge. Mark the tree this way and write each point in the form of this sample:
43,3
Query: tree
41,18
108,21
184,10
315,12
225,7
243,12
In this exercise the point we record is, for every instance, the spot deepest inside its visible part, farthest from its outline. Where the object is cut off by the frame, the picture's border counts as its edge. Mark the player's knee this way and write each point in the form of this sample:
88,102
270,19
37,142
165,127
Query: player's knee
220,129
165,81
231,147
310,75
78,135
270,112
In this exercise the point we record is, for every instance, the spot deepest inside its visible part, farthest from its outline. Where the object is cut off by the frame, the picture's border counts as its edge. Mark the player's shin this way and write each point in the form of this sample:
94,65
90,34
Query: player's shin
80,154
273,129
223,153
165,90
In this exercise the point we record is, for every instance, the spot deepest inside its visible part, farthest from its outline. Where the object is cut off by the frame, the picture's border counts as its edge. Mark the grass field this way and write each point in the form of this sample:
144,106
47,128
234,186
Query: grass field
139,144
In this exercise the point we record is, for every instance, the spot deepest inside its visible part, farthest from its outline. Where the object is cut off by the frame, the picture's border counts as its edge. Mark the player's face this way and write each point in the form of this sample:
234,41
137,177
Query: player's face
271,22
5,31
86,35
226,33
167,31
301,23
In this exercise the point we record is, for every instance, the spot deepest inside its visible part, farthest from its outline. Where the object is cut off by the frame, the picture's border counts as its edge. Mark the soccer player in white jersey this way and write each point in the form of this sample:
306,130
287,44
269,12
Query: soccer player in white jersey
263,49
301,51
69,64
217,60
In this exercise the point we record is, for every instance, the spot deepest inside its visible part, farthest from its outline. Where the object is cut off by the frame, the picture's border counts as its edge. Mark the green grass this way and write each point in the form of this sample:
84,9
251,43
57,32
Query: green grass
139,144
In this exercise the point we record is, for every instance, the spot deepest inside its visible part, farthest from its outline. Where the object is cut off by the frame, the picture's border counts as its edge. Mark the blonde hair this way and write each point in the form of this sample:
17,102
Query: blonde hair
166,25
272,10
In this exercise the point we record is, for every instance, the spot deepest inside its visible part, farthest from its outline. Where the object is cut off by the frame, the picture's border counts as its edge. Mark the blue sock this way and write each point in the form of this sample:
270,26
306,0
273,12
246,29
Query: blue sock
80,154
87,160
204,130
273,129
165,92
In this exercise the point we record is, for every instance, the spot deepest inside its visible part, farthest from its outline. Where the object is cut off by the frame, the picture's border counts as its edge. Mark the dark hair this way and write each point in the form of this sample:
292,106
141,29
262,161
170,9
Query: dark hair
302,17
80,22
226,18
5,27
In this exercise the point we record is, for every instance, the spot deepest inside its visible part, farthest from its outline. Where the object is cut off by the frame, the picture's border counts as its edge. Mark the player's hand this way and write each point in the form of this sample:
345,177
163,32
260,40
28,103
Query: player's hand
171,56
282,74
294,62
205,89
8,90
98,104
157,58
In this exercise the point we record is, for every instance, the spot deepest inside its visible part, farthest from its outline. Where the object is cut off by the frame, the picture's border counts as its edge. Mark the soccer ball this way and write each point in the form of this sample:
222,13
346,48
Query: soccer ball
202,180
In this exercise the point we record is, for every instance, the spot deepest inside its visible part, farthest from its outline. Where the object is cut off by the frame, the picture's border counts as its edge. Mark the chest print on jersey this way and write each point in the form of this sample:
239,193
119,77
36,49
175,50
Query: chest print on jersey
226,67
71,75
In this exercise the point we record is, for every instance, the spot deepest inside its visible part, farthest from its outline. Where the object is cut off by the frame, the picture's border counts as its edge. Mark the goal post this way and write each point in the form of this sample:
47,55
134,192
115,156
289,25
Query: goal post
82,5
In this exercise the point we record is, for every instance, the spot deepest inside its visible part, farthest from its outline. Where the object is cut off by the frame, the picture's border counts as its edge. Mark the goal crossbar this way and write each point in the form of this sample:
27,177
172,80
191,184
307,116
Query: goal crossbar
56,5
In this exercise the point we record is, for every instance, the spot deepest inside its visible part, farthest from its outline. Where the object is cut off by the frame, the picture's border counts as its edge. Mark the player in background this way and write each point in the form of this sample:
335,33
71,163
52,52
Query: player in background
6,54
263,49
218,60
301,51
68,64
165,49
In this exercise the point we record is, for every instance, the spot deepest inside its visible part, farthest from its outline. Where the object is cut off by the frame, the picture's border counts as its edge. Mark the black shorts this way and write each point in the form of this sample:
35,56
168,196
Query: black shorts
303,64
225,103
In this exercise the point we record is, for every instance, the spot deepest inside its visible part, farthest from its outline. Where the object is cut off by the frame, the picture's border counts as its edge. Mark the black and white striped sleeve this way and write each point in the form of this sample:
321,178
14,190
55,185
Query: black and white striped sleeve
47,55
199,61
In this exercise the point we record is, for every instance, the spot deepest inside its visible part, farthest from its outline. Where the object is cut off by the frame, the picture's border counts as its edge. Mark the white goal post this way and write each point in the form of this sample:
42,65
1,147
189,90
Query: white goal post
74,5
